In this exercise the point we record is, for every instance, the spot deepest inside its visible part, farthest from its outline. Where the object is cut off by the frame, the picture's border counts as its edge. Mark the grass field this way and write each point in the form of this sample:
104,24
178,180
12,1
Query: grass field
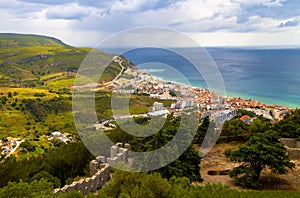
26,93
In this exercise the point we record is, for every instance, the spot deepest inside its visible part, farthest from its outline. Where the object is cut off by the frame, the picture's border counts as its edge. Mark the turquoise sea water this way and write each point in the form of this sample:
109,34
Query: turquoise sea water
271,76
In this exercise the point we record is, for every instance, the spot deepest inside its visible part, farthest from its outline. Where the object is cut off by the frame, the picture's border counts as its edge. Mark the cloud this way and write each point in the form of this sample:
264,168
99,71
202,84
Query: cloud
47,2
139,5
265,3
69,12
279,9
290,23
105,17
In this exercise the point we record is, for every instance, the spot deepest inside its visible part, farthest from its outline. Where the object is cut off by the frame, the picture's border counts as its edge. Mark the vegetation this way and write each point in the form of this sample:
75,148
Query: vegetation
36,188
64,163
126,184
289,127
34,112
263,149
37,74
233,128
186,165
242,112
8,40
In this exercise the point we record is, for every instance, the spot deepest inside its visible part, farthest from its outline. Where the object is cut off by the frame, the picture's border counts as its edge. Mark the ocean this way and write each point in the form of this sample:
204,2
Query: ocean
271,76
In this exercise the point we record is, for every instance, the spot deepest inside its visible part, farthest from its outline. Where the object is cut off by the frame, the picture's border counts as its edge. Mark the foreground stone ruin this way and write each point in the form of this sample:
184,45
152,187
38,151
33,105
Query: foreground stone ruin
100,174
99,171
293,147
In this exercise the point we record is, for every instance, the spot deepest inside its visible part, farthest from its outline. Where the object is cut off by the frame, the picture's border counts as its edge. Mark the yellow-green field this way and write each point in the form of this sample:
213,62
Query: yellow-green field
26,93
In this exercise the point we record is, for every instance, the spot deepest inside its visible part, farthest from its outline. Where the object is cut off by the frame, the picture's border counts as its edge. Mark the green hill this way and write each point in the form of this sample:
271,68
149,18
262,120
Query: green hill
36,78
32,60
9,40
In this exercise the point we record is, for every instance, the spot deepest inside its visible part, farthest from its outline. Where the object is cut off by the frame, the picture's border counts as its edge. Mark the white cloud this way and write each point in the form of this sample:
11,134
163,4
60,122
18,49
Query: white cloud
70,12
267,3
128,5
86,22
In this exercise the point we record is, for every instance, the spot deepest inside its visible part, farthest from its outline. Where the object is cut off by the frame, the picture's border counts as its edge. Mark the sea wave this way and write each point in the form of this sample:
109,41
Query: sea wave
155,70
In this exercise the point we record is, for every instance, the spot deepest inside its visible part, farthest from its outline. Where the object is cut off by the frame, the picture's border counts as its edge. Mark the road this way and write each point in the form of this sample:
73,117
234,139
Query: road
18,143
120,63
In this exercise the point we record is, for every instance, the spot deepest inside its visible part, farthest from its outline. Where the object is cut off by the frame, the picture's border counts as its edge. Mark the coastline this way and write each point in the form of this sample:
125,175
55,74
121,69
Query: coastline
269,76
262,100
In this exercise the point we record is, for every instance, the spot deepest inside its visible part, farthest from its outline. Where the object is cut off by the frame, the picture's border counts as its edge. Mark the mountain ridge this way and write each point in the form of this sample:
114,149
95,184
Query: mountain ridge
12,40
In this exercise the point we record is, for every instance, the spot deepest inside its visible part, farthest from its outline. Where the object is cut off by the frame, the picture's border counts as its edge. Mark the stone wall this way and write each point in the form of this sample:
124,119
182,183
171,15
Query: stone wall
293,147
118,153
99,175
289,142
99,171
294,152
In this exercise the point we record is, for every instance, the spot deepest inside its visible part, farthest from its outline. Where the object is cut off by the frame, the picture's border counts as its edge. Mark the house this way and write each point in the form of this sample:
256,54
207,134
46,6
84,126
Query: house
245,119
157,113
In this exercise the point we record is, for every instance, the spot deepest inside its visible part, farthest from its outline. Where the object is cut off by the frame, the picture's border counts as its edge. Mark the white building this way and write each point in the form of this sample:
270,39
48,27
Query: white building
157,106
187,103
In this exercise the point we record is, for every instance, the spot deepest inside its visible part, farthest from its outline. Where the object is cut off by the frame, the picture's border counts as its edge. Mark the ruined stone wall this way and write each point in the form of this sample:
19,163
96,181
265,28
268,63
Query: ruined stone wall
293,147
100,174
289,142
294,152
99,170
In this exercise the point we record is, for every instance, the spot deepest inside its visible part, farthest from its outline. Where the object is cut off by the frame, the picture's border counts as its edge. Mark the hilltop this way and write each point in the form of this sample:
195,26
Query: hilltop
36,84
10,40
37,73
33,60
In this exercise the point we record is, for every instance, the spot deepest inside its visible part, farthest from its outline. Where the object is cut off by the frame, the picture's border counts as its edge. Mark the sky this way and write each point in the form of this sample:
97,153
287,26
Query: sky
208,22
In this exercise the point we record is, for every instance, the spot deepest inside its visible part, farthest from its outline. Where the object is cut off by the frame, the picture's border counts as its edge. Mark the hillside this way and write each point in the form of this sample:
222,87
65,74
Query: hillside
32,61
36,86
9,40
36,77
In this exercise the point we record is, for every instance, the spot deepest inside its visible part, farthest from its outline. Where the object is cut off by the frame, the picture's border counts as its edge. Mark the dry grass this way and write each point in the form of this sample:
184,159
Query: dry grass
215,160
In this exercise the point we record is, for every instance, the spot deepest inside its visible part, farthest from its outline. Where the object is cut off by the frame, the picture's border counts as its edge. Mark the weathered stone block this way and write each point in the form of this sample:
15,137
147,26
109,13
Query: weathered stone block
289,142
93,167
125,157
113,151
101,159
101,166
127,146
120,156
112,160
93,183
119,144
294,153
82,186
74,185
65,188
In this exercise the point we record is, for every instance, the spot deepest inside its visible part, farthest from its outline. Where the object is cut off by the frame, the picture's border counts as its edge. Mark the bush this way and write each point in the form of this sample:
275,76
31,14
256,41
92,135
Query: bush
39,95
227,152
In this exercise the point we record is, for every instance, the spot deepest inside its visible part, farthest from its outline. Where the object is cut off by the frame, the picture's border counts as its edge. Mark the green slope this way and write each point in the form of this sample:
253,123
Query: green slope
26,59
9,40
36,76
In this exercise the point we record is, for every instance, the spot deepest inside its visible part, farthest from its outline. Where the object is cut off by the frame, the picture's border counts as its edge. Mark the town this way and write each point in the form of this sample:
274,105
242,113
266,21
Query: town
208,103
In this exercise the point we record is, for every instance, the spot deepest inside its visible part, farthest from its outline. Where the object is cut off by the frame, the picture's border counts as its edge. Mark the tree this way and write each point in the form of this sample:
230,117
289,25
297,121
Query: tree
242,112
263,149
28,145
9,94
129,184
202,129
233,127
290,126
36,188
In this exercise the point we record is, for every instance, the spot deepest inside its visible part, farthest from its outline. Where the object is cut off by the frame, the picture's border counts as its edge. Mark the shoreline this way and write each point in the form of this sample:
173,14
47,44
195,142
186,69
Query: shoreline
229,94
